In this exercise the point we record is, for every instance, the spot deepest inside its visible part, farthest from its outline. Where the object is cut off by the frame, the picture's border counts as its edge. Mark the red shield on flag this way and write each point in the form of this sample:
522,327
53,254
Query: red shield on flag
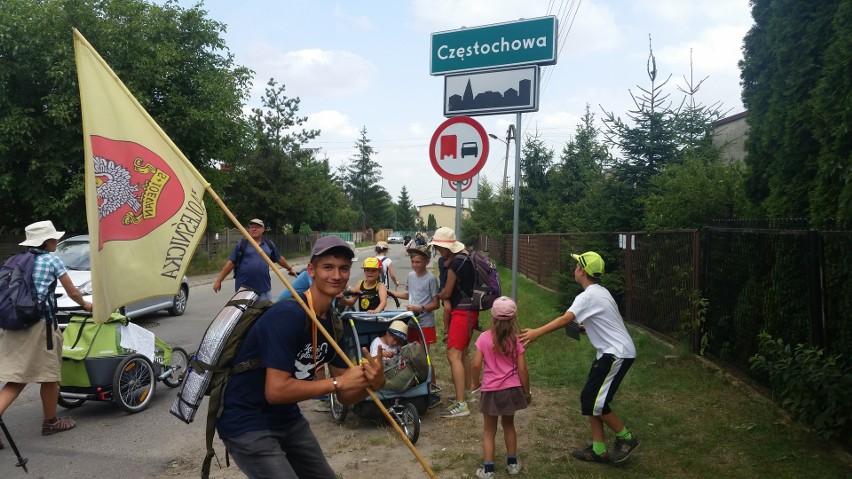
137,190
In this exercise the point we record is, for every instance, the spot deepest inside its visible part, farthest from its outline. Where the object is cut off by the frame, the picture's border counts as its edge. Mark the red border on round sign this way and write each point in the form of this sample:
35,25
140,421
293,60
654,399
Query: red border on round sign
484,156
465,187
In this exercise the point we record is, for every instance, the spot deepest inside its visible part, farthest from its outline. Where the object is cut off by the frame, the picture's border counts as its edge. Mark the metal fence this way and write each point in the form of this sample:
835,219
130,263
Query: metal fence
794,284
715,289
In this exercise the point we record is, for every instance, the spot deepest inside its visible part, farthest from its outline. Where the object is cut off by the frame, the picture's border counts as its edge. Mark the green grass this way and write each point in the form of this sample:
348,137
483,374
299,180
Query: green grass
693,421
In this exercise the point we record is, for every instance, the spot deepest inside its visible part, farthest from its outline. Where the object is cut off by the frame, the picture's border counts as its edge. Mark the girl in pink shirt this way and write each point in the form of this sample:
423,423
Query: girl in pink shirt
505,384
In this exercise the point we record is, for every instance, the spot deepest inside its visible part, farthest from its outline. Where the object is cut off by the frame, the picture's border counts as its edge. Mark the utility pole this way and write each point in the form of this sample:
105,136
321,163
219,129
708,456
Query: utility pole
510,135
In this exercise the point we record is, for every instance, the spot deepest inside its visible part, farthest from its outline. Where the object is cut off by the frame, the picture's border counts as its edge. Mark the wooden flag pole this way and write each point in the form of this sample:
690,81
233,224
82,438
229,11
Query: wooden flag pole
320,327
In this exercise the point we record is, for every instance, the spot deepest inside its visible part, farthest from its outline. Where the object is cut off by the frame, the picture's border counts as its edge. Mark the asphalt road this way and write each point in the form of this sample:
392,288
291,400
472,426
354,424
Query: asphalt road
108,442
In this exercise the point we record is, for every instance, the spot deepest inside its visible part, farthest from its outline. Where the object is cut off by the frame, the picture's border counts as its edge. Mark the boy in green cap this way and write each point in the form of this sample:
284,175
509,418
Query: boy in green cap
597,314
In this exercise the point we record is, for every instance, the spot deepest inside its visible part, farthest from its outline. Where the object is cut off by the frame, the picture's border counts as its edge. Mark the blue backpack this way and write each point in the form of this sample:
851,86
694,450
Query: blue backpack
19,305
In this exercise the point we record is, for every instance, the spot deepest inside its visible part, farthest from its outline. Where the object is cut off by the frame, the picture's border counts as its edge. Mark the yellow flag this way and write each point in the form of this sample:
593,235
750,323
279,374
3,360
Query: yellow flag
143,197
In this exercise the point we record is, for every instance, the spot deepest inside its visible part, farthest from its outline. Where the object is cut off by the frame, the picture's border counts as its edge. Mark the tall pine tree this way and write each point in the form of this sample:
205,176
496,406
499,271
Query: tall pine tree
361,179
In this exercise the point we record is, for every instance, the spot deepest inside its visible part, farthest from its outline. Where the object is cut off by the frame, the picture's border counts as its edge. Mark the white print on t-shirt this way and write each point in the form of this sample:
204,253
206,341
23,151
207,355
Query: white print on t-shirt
305,360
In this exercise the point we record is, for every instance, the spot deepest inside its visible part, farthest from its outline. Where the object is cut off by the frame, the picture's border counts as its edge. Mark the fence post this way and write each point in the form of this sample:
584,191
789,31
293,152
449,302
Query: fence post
697,332
816,288
628,274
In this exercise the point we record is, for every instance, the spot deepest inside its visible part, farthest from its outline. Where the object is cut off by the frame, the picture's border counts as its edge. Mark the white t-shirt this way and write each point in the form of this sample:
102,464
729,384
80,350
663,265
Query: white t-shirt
595,309
374,348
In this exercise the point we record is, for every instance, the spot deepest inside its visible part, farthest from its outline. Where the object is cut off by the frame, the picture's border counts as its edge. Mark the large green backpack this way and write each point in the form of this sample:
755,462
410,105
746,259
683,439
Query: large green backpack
407,369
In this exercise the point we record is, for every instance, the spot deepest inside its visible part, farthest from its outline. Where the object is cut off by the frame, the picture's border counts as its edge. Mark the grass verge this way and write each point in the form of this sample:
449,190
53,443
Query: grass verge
692,421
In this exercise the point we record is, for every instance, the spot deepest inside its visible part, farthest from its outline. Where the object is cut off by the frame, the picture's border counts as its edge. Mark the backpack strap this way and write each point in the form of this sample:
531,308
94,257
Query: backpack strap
243,243
47,306
458,277
273,250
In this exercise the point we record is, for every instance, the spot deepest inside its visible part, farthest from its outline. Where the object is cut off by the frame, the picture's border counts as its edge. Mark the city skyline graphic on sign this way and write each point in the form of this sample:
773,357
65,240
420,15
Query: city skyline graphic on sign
520,96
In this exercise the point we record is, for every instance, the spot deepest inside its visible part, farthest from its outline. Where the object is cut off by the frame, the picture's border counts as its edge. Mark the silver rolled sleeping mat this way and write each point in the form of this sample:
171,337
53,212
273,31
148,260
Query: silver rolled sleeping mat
195,385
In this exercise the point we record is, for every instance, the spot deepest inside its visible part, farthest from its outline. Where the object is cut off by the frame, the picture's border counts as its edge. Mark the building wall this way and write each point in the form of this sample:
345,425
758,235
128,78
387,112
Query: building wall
445,215
730,135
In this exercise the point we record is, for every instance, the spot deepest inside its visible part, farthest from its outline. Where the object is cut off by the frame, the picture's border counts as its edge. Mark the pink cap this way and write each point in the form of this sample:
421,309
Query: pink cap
504,309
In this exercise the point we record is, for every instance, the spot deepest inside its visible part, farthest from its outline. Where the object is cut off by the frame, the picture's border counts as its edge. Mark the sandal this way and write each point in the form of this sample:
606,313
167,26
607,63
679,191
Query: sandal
59,424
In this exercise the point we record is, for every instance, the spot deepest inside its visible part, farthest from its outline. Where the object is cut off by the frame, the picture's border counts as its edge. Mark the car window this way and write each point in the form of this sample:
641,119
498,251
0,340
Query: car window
75,254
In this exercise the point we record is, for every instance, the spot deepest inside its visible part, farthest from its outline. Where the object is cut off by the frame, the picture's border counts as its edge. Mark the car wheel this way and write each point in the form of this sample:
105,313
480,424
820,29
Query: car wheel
179,305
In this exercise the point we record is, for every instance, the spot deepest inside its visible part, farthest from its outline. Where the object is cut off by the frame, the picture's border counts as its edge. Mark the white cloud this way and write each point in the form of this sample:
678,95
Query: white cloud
337,133
313,72
715,49
679,13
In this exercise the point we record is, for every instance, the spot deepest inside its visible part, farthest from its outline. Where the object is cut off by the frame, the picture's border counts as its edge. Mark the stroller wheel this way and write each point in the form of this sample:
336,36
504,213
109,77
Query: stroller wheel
133,383
70,403
338,409
179,364
408,420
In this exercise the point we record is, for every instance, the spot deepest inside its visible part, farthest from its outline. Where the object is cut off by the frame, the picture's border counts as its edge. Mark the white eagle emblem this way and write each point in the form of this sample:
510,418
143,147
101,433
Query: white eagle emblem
113,187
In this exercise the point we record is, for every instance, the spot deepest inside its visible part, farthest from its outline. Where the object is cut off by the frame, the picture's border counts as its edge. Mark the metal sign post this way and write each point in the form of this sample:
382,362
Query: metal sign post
517,214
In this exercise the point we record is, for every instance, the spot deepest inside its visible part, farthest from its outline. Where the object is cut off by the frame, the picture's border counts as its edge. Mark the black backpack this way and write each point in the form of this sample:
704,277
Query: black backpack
19,304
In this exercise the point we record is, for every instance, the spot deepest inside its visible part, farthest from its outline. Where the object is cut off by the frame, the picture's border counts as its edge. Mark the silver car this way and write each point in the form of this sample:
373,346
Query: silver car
74,252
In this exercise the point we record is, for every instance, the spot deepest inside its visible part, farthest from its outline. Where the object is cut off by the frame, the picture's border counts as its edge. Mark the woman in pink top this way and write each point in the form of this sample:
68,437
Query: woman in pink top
505,384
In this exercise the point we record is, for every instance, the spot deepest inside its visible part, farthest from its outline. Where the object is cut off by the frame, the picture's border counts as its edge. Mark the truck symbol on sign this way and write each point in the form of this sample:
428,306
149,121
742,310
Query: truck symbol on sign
449,146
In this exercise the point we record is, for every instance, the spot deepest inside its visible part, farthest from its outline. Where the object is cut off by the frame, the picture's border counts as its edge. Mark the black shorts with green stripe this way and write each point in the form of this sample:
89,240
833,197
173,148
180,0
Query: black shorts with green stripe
604,378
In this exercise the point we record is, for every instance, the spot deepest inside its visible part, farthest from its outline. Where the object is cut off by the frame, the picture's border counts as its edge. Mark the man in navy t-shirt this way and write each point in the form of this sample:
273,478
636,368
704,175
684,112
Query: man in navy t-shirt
261,424
252,271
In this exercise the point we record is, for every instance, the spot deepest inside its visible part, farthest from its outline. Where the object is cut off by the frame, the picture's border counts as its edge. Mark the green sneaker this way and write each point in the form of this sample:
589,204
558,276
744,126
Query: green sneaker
456,409
588,454
624,448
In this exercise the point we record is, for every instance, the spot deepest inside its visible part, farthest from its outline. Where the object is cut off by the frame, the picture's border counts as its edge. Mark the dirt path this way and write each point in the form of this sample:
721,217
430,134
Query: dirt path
360,449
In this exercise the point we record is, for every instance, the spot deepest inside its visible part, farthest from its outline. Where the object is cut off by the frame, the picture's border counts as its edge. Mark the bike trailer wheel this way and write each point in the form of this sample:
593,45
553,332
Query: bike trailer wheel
133,383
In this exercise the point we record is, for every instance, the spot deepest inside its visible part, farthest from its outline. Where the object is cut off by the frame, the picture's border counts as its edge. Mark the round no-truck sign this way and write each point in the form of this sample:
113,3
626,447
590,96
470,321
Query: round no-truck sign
459,148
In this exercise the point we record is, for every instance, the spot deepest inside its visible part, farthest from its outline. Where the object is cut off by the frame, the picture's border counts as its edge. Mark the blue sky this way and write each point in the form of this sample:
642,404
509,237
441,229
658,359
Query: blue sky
366,64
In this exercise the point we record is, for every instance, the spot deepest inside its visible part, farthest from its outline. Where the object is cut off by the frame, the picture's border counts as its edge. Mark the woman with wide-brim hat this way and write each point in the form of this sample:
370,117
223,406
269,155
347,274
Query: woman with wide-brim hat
25,353
462,322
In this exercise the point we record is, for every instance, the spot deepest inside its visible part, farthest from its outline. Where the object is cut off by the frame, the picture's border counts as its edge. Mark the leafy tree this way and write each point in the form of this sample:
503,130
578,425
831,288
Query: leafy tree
691,194
405,211
172,59
361,179
278,178
431,223
795,77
